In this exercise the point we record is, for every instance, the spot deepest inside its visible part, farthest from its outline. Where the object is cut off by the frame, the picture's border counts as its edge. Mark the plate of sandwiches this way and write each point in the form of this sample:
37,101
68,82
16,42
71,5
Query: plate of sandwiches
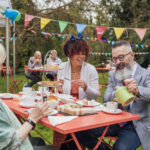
75,109
89,103
65,97
50,83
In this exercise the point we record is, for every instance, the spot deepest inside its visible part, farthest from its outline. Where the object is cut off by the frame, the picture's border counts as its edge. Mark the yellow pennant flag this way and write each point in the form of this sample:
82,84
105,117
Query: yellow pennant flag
44,22
118,32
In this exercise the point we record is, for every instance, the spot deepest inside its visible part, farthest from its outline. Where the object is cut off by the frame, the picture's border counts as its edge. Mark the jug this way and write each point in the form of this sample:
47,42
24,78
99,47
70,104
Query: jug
123,96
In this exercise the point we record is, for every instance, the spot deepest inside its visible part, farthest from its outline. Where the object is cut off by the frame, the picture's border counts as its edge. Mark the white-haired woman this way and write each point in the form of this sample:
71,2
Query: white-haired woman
34,62
13,135
53,60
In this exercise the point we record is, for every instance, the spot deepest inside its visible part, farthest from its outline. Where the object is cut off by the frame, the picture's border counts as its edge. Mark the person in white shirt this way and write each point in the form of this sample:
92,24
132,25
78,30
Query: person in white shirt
80,77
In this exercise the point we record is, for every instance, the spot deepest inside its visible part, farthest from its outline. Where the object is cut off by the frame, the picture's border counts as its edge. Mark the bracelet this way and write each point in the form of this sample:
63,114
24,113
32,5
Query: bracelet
31,122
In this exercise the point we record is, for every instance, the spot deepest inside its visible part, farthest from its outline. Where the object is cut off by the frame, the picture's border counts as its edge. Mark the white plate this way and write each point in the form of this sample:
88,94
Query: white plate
6,95
26,106
66,97
118,111
91,104
99,108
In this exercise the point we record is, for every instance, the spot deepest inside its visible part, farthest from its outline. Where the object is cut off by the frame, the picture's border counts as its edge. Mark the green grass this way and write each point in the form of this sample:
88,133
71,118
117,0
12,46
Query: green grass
46,132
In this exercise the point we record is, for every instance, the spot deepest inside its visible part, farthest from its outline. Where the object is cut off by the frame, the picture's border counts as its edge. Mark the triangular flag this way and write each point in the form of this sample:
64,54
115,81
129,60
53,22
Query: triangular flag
80,27
140,32
27,20
44,22
100,31
118,32
62,25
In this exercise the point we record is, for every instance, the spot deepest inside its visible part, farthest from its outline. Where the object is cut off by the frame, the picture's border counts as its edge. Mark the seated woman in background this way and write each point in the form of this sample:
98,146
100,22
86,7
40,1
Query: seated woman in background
13,135
80,77
53,60
34,62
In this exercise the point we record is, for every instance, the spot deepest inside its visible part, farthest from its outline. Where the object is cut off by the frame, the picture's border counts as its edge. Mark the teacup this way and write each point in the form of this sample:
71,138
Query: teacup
27,90
28,100
123,96
112,106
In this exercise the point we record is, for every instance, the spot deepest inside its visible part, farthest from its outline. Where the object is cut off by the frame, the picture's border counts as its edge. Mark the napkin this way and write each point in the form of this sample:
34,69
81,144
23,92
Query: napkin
55,120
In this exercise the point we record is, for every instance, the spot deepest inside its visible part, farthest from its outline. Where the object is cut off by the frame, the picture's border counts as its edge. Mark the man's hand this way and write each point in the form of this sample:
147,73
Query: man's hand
131,86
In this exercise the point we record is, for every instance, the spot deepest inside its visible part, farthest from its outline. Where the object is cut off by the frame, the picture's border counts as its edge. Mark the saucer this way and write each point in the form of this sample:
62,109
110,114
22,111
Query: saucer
6,95
90,103
26,105
118,111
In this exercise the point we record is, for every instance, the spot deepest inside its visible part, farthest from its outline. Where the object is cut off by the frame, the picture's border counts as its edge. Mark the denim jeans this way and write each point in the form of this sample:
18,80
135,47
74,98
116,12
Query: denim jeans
127,137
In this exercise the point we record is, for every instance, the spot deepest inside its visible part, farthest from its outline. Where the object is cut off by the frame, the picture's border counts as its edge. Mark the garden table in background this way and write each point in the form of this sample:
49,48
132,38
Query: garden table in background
102,70
99,119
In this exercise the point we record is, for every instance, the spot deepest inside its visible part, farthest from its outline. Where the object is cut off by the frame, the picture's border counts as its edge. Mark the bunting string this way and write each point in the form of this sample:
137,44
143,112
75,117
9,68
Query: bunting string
80,27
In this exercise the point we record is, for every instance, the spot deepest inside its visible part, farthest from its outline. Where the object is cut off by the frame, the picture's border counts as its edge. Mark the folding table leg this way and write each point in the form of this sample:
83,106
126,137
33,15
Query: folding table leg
101,138
76,141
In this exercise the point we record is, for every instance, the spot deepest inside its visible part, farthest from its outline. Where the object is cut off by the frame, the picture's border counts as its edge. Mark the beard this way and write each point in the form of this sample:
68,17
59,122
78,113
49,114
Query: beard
124,71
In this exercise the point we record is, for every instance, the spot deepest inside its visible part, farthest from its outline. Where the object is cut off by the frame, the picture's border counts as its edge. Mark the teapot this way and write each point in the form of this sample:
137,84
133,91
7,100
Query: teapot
123,96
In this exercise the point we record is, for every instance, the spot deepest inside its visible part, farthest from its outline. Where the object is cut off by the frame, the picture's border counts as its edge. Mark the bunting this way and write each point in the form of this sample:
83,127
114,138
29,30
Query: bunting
140,32
80,27
44,22
100,31
62,25
27,20
118,32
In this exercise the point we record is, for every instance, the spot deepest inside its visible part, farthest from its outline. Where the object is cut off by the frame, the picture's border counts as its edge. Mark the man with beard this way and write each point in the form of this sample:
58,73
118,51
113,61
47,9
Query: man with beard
137,79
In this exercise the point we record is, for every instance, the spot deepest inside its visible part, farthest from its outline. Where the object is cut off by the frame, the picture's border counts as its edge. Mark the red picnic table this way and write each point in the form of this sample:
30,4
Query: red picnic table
99,119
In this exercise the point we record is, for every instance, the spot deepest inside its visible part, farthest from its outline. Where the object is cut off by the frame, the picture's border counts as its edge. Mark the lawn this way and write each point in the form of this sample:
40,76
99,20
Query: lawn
46,132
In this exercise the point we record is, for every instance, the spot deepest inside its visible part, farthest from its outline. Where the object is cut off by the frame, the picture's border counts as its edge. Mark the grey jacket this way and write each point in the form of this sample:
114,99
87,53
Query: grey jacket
141,104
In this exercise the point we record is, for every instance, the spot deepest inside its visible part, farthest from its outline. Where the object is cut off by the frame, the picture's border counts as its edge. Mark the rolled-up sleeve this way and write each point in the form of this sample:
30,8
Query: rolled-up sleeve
9,137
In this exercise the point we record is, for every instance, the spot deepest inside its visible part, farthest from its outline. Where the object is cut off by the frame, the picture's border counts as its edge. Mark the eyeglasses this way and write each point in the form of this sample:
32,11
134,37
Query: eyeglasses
120,57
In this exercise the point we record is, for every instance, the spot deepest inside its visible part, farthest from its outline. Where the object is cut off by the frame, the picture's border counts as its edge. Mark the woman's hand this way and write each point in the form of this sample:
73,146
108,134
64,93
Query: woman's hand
60,89
80,84
41,110
37,60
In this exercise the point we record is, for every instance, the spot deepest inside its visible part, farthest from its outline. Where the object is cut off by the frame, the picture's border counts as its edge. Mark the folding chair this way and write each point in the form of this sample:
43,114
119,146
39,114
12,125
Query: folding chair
14,84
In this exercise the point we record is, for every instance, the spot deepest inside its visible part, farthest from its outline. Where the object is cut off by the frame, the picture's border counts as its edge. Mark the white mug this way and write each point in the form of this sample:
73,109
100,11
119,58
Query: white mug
27,90
28,100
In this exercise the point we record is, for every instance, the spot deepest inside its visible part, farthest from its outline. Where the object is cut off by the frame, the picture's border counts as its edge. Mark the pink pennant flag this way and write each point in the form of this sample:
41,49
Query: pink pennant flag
27,20
100,31
140,32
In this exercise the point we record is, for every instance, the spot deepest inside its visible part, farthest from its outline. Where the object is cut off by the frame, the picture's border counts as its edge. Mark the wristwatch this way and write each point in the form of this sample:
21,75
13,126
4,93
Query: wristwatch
31,122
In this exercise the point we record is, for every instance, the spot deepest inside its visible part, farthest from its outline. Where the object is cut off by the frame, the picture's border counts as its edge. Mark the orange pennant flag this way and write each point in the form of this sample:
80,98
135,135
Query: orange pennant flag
141,32
118,32
44,22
